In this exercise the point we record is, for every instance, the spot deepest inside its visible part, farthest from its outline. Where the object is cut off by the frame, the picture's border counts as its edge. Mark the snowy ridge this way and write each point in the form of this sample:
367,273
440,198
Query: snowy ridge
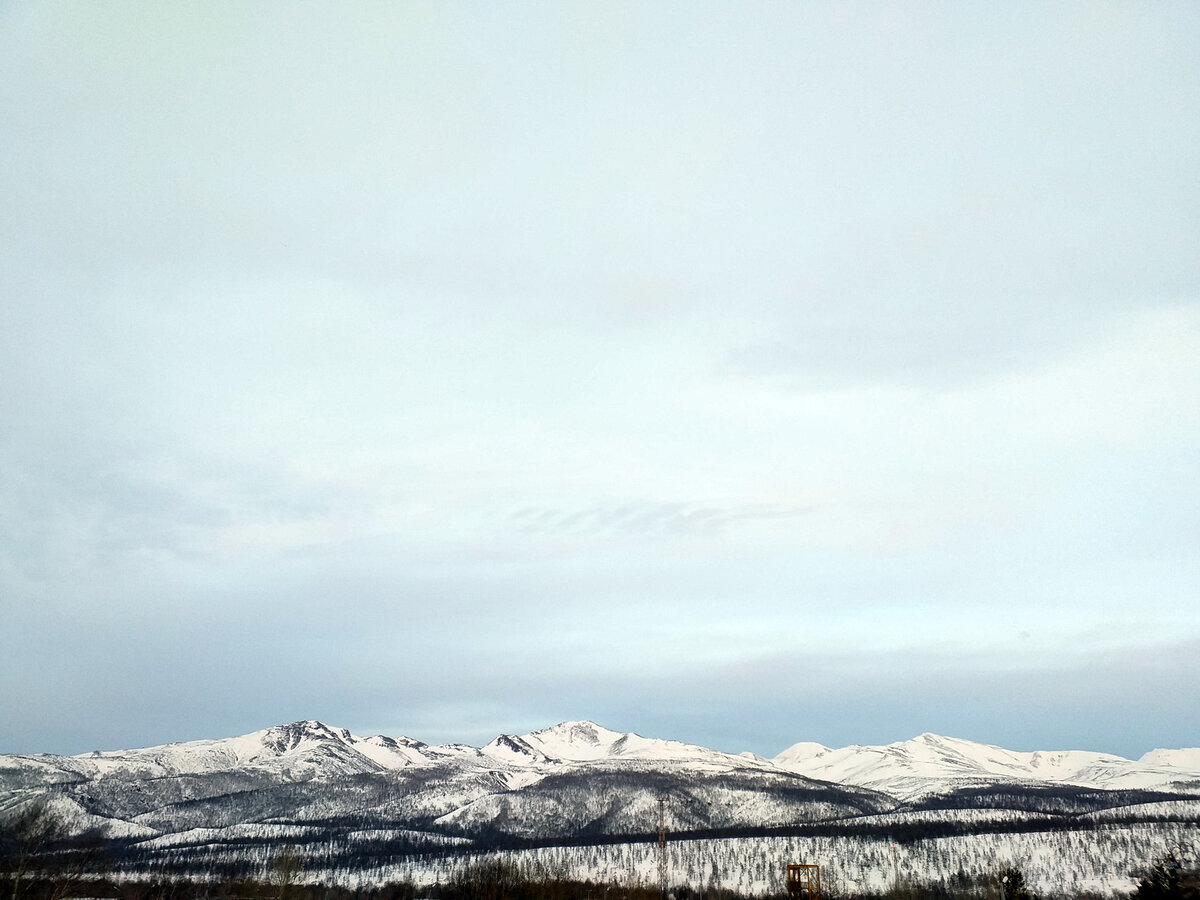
932,763
310,749
1186,760
589,742
314,746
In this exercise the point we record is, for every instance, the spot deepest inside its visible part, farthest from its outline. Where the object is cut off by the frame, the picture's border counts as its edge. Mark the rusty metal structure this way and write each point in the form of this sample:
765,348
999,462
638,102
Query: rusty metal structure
804,881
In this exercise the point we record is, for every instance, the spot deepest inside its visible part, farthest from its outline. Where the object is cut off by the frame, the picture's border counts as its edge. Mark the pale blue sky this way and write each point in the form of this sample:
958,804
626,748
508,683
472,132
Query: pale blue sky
736,374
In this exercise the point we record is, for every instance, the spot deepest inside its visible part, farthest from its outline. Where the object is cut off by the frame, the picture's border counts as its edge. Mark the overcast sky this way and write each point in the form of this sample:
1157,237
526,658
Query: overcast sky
736,373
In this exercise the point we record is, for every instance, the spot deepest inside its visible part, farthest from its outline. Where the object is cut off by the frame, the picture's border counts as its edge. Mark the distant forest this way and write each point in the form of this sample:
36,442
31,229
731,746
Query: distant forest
42,859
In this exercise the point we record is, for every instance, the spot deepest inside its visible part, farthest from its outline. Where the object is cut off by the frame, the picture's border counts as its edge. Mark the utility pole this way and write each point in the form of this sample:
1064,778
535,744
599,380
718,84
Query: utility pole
662,845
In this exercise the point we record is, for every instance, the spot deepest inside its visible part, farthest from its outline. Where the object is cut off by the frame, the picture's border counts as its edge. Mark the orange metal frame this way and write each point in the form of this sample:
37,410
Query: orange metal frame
804,881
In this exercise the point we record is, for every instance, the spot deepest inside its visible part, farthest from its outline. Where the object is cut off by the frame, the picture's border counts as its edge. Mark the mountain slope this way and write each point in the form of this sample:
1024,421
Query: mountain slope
572,781
932,763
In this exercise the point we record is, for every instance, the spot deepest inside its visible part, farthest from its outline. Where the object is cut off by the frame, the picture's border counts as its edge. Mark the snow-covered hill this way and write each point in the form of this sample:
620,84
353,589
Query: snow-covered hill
931,764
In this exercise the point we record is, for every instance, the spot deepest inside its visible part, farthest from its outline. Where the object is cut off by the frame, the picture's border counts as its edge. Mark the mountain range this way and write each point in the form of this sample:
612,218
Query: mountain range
931,763
574,783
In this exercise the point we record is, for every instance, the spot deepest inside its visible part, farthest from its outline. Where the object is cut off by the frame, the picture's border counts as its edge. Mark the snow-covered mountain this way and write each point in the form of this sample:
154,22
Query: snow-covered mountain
363,802
310,750
301,750
572,778
575,781
933,764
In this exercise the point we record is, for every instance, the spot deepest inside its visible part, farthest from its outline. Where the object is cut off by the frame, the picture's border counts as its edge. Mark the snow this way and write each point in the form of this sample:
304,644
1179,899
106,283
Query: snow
1187,759
392,753
589,742
465,786
328,749
927,762
577,741
804,750
515,750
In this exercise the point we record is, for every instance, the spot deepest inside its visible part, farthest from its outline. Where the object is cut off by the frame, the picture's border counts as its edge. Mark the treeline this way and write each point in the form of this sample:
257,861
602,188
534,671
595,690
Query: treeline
600,806
1055,800
41,858
497,880
894,828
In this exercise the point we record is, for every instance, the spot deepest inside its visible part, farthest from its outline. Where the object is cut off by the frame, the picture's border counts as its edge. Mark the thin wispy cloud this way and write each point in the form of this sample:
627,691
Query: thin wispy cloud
644,519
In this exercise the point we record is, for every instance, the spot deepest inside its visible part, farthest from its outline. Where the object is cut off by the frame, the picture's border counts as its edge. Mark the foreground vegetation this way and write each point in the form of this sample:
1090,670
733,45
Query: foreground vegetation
43,859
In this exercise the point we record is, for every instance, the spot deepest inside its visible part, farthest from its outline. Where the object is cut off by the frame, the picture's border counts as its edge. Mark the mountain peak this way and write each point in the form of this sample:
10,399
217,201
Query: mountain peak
579,741
1187,758
929,739
584,731
573,740
514,750
803,750
282,738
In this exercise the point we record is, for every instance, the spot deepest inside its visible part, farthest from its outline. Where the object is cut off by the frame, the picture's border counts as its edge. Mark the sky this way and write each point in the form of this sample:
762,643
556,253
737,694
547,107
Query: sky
741,374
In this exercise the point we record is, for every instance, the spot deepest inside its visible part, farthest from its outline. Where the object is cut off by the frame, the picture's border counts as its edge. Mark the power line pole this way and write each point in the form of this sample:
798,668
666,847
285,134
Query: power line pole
662,846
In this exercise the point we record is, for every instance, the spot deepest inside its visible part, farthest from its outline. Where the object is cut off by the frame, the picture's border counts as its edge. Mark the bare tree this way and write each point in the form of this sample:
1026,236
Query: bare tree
37,847
26,839
285,871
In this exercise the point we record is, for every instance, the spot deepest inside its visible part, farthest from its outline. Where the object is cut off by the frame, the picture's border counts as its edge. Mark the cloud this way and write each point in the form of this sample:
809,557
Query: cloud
437,370
833,695
640,519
